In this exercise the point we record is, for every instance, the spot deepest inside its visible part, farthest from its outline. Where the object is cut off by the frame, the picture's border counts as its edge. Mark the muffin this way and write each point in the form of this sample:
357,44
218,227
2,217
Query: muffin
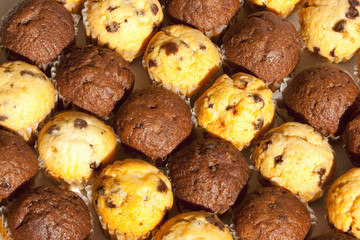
320,96
26,97
73,145
265,45
237,109
72,5
94,79
330,28
209,16
295,157
352,140
209,174
281,7
342,203
131,198
194,225
18,163
48,212
272,213
334,236
181,58
153,121
121,25
37,31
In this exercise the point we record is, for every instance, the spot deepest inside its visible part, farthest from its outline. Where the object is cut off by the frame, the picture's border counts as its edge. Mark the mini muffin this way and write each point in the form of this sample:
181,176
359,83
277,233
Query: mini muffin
330,28
26,97
181,58
342,203
73,145
272,213
237,109
281,7
37,31
72,5
334,236
209,174
319,96
153,121
352,140
94,79
209,16
122,25
194,225
131,198
265,45
295,157
18,163
48,212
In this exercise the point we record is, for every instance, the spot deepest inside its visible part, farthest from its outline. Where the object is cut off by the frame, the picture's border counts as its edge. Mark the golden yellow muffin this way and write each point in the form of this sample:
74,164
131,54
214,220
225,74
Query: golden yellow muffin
193,226
237,109
72,5
180,58
330,28
73,145
125,26
343,203
131,198
281,7
26,97
296,157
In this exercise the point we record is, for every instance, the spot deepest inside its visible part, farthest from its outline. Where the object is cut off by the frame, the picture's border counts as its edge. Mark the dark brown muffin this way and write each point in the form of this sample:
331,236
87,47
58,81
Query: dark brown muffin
18,163
37,31
209,174
272,213
352,140
209,16
335,236
319,96
265,45
48,212
94,79
153,121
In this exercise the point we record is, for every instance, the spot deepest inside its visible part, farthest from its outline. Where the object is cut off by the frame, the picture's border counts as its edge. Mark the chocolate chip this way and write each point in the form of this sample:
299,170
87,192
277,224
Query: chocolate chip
339,26
332,53
278,159
152,63
161,187
354,2
51,130
112,27
258,124
109,203
316,50
170,48
94,166
140,224
154,9
202,47
141,12
112,8
211,105
7,71
266,145
352,13
258,99
151,48
11,85
25,72
3,117
5,184
235,112
215,222
321,173
80,123
229,108
101,190
184,43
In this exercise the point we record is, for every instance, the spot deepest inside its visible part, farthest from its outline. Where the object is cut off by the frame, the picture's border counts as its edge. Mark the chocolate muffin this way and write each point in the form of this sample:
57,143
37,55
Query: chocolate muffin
335,236
264,45
352,140
209,174
320,96
209,16
153,121
48,212
272,213
18,163
94,79
37,31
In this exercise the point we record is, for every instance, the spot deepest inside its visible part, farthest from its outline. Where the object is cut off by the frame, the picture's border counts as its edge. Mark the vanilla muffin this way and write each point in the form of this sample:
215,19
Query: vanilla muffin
181,58
343,203
296,157
281,7
237,109
193,225
73,145
122,25
26,97
330,28
131,198
72,5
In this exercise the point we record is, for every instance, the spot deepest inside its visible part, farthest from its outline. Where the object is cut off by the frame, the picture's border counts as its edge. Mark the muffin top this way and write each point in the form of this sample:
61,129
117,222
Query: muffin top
48,212
94,79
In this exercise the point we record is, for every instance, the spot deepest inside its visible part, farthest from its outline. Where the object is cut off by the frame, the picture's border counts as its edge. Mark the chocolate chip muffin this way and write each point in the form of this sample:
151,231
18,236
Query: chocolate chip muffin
18,163
209,174
265,45
48,212
94,79
209,16
352,140
335,236
272,213
153,121
320,97
37,31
